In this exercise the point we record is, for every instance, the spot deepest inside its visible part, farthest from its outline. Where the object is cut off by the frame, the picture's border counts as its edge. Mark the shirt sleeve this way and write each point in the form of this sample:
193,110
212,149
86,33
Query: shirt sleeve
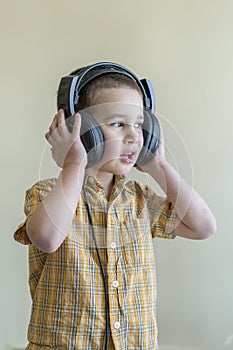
33,198
162,214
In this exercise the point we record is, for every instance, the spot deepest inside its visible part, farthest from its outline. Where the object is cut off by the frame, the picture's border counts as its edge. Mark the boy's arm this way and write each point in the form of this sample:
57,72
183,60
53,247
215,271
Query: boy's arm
196,220
49,225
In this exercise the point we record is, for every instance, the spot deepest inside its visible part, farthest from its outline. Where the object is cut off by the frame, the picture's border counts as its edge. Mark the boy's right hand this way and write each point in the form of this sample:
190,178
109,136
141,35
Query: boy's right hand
67,148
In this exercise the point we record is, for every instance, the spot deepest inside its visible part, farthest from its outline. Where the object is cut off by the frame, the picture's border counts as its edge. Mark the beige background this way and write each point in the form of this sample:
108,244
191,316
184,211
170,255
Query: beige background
185,47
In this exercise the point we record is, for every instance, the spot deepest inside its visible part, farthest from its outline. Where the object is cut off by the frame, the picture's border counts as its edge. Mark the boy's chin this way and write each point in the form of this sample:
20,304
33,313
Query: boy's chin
123,170
117,168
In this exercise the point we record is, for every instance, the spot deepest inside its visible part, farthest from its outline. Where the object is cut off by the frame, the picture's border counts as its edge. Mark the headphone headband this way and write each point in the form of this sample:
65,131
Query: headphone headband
70,86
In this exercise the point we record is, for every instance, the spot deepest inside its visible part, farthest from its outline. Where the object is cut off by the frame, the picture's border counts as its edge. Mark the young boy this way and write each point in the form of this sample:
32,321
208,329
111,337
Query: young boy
89,232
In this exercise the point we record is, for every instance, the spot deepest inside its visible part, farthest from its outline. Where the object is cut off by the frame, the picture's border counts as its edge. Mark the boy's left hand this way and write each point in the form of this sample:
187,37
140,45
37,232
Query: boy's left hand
158,157
194,218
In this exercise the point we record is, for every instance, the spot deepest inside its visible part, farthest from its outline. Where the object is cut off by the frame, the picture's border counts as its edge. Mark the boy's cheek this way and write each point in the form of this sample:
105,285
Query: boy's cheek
142,140
111,149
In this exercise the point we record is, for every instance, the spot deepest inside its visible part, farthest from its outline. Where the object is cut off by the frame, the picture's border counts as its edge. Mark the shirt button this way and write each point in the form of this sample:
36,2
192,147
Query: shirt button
115,284
92,180
113,245
117,325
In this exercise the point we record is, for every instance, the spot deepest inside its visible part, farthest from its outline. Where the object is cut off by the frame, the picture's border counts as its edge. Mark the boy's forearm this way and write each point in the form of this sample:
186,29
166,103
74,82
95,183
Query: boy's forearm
191,209
50,223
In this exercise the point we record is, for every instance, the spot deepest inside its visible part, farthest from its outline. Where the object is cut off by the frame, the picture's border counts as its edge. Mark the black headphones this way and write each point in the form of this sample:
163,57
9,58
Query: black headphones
91,133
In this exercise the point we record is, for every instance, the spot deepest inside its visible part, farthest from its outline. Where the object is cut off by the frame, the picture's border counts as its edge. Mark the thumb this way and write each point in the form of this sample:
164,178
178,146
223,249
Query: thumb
77,124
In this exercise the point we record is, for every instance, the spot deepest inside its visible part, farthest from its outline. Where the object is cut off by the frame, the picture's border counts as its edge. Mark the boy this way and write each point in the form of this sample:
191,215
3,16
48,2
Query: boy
90,231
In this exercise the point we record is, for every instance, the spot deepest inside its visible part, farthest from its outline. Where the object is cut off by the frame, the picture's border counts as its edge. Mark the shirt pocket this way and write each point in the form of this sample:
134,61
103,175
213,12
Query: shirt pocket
134,226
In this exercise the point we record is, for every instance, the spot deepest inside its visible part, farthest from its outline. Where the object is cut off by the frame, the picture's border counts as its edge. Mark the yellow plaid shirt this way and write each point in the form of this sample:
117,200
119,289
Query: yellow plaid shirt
67,289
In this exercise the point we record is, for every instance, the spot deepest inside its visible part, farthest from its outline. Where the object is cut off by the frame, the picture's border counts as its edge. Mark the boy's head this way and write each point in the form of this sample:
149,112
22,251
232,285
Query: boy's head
115,101
101,91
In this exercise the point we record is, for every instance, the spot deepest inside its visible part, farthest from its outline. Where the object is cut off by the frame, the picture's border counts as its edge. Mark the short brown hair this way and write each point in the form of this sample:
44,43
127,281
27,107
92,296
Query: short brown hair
105,81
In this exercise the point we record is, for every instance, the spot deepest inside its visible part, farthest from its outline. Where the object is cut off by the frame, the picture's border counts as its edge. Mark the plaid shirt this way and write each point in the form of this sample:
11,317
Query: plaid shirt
67,289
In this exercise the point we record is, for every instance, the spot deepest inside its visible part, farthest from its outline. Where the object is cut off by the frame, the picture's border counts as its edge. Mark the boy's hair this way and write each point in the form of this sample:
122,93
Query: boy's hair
105,81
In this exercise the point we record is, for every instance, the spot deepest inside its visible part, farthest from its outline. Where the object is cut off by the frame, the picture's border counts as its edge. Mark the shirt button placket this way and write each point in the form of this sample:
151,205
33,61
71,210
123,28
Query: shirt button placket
114,284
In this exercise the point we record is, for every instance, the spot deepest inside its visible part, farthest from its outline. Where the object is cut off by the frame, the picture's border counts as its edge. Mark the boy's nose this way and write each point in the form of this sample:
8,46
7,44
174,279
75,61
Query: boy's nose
132,134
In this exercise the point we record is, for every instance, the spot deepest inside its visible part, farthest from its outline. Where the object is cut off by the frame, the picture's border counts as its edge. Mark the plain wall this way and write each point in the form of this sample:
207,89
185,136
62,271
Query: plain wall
185,47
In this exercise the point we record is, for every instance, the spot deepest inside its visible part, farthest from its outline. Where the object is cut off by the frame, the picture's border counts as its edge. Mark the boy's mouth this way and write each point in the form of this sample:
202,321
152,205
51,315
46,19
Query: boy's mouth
128,157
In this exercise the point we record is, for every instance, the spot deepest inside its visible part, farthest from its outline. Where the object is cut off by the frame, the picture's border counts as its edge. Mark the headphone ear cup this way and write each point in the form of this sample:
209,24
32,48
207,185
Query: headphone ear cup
151,135
91,136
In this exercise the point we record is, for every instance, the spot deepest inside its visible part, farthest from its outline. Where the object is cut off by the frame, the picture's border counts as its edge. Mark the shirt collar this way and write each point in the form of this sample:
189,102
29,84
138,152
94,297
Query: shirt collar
121,182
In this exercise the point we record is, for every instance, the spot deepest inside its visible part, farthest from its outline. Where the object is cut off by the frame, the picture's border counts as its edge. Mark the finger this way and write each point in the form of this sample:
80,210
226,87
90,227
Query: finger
54,124
57,128
47,135
60,117
61,125
52,149
161,131
50,139
77,125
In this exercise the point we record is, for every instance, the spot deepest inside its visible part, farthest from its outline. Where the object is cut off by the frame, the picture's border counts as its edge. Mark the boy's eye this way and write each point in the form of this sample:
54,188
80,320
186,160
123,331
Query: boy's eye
138,125
117,124
122,124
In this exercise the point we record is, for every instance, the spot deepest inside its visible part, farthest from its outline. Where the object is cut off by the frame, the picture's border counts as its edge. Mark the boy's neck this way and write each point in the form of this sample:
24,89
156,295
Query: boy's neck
105,179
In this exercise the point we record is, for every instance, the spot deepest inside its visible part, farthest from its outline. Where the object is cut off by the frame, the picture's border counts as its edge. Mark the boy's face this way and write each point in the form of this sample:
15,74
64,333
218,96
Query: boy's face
119,112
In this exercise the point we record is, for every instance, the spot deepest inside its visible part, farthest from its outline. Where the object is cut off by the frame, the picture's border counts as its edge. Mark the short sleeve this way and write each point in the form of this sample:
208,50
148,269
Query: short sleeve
33,198
163,216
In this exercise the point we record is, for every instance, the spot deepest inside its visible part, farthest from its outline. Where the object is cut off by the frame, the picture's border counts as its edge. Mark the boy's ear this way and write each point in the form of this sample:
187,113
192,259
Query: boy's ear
151,135
91,136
